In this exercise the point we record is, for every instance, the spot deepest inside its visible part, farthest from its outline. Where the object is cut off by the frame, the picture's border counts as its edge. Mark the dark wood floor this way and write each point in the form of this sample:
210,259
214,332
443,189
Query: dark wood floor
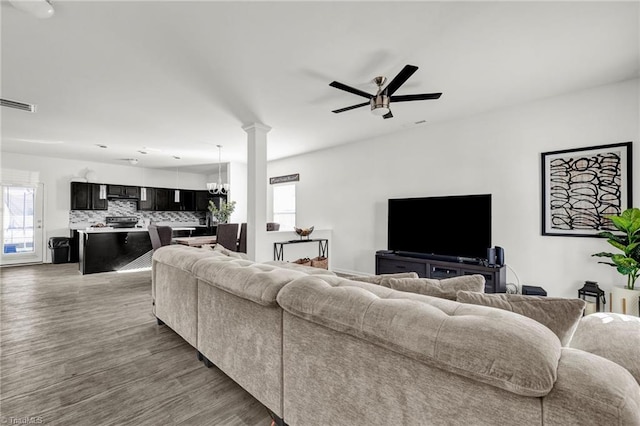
86,350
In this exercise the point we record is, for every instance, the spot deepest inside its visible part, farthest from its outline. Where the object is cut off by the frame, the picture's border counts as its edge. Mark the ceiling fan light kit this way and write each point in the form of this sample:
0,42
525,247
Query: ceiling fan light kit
41,9
380,102
380,105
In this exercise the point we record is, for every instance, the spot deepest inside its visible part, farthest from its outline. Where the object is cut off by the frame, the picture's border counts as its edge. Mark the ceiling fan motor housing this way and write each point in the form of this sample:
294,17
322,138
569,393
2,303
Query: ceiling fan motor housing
380,104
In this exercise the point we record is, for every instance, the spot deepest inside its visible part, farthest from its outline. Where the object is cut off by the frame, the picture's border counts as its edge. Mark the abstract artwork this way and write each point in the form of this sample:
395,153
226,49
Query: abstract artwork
582,186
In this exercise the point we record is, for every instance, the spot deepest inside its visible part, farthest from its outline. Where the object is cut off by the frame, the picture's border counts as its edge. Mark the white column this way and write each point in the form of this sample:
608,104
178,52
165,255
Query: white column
257,246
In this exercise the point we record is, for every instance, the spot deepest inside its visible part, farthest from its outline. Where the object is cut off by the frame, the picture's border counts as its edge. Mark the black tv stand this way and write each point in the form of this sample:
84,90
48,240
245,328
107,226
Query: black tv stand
443,258
428,267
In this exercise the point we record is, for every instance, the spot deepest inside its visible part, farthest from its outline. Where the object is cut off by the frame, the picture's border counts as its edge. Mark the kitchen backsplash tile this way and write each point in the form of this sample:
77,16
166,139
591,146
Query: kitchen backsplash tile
128,208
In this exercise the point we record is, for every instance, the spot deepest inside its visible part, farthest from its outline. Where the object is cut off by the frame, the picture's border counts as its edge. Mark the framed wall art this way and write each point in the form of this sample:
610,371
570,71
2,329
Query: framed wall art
581,186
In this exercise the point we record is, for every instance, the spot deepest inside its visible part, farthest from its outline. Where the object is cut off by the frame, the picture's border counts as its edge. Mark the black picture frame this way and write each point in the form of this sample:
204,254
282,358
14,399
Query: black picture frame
581,186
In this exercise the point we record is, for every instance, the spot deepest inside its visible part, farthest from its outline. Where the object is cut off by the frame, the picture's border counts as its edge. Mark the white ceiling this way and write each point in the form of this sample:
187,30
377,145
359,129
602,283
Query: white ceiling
181,77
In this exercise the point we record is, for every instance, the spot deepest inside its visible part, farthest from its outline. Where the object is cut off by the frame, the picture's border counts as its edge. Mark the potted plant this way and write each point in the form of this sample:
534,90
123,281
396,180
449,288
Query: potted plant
223,213
627,262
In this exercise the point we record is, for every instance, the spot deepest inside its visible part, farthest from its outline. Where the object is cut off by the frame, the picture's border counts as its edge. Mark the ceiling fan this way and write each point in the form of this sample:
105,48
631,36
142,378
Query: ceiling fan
380,102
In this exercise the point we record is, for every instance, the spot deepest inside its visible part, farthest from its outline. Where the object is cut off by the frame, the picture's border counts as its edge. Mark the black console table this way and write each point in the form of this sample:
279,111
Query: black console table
323,247
391,263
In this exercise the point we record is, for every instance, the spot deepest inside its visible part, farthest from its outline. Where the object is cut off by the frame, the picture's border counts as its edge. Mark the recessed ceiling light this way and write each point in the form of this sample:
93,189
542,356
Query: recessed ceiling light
101,146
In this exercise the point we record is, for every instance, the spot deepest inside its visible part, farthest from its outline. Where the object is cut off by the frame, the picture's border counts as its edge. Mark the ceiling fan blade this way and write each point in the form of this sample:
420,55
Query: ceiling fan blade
420,97
399,79
350,89
388,115
350,107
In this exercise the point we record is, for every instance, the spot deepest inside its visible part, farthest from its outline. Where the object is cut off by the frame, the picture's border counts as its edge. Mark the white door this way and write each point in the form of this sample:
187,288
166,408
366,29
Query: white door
21,224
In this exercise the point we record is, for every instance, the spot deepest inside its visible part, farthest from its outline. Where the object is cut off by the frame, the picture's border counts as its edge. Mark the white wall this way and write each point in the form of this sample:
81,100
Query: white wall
56,173
346,188
238,191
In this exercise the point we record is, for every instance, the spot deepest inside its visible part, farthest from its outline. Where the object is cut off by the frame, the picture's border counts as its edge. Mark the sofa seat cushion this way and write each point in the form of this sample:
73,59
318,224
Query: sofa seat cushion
612,336
309,270
489,345
445,288
181,257
560,315
257,282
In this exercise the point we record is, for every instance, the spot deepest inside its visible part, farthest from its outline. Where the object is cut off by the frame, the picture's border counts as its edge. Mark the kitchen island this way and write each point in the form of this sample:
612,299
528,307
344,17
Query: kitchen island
113,249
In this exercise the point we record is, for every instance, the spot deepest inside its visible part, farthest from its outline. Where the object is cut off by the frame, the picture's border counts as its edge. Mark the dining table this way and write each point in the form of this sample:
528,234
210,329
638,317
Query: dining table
195,241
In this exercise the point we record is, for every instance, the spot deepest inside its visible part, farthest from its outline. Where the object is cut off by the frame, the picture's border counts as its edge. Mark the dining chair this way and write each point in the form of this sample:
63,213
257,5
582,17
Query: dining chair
227,236
242,240
160,236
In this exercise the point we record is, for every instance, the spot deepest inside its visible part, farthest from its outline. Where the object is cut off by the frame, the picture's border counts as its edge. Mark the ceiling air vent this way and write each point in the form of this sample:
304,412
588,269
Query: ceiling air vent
18,105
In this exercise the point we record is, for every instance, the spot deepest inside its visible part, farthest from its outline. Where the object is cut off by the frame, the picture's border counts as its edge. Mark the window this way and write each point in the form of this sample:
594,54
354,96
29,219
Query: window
284,205
18,215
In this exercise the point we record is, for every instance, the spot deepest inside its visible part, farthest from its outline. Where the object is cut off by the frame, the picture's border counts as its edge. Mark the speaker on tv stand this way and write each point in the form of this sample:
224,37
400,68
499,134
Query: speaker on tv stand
495,256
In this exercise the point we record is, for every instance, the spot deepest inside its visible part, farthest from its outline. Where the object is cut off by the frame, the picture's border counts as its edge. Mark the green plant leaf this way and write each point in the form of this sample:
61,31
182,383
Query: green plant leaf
617,245
630,248
602,254
620,223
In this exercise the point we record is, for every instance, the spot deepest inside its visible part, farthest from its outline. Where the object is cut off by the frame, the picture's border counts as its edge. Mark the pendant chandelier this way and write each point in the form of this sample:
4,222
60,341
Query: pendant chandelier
218,188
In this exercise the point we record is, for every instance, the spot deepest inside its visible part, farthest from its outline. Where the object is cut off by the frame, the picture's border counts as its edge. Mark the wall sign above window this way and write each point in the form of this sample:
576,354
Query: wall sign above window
284,179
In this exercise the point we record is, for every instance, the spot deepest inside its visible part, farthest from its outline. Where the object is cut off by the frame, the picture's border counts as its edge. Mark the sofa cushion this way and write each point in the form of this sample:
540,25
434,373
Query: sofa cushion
489,345
560,315
377,279
180,256
257,282
445,288
612,336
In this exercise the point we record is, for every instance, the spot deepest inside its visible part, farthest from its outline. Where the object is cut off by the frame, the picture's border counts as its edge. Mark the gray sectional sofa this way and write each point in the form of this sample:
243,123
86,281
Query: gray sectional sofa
319,349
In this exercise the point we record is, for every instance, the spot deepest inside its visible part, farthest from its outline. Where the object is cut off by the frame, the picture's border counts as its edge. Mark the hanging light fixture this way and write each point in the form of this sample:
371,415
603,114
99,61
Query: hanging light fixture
218,188
176,193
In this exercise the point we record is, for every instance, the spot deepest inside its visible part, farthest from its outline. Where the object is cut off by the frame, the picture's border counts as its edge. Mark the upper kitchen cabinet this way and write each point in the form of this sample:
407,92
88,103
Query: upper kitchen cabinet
123,191
88,196
165,200
149,202
202,201
187,200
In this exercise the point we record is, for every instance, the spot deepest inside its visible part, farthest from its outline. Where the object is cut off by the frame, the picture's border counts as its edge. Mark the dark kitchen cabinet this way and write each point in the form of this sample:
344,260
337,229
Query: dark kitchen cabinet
187,200
202,201
88,196
149,203
122,191
165,200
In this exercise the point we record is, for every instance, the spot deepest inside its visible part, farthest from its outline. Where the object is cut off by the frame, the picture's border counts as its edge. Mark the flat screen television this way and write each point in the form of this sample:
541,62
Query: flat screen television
452,226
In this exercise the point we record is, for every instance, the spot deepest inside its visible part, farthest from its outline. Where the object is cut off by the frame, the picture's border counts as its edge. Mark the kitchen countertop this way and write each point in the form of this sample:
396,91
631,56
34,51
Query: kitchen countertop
107,229
103,229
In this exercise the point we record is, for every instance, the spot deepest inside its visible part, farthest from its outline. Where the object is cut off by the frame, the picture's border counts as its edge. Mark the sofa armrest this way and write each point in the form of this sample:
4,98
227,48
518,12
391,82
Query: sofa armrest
612,336
591,390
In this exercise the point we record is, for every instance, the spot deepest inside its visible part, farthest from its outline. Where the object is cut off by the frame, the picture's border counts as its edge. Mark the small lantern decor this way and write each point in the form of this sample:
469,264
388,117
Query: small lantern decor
591,289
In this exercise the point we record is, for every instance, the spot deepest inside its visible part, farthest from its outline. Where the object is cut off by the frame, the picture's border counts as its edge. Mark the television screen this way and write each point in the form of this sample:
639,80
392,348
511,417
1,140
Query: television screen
457,226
